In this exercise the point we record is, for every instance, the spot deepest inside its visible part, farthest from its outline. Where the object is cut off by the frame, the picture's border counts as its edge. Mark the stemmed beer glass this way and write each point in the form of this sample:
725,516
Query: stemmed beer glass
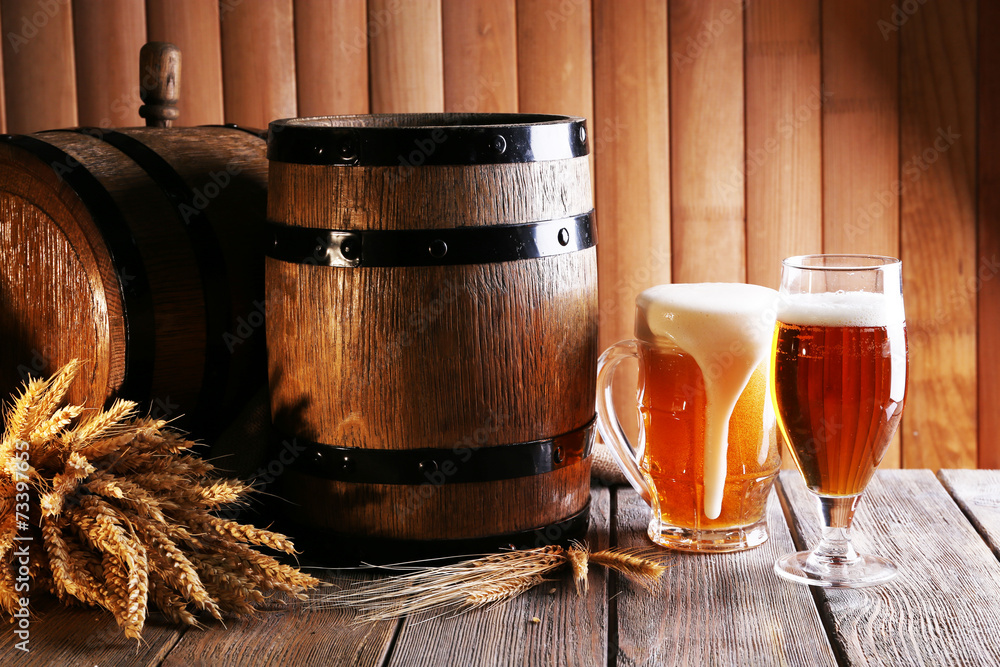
839,381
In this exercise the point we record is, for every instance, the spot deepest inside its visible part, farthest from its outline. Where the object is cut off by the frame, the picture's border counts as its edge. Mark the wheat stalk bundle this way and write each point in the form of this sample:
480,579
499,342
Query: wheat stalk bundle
485,581
123,514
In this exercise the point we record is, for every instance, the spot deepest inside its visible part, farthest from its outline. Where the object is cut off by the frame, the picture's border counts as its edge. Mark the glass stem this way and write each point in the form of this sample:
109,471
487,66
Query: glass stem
835,548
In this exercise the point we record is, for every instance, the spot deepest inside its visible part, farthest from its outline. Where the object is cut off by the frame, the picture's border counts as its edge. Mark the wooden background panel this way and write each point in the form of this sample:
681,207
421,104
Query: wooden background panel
554,58
3,99
258,61
706,148
193,26
107,37
480,55
331,50
632,157
988,264
938,150
784,164
860,119
38,57
406,60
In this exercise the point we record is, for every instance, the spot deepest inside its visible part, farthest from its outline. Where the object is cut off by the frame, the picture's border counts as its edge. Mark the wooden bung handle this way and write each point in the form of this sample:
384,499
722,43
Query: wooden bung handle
159,83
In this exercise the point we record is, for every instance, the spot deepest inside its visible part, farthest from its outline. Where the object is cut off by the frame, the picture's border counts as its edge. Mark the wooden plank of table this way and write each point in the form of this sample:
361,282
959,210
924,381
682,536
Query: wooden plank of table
480,55
717,609
107,37
988,265
784,170
405,56
571,630
938,232
288,637
977,492
193,26
707,141
944,606
860,122
71,637
258,61
40,72
331,51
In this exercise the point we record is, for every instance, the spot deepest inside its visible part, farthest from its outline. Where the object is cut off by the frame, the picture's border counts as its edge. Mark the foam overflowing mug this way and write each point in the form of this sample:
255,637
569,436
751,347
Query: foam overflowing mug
707,453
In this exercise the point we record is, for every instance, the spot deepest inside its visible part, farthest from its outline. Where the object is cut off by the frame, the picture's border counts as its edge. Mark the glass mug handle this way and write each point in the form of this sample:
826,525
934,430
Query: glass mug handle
610,428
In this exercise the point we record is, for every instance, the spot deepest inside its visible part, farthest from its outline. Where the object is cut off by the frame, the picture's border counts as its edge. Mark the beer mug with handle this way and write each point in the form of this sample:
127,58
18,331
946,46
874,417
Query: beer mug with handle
707,453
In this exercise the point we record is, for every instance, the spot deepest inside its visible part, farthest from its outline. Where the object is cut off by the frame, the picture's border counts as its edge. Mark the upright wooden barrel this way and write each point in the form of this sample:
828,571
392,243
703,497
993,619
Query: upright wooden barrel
136,250
432,328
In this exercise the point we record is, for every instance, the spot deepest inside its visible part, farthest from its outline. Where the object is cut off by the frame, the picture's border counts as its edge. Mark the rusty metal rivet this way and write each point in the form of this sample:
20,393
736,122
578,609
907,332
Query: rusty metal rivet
499,143
557,454
438,248
429,466
583,134
346,153
563,236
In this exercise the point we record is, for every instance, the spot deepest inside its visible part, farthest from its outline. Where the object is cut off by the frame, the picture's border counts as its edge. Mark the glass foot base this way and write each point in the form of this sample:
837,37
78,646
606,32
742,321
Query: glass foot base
720,540
858,573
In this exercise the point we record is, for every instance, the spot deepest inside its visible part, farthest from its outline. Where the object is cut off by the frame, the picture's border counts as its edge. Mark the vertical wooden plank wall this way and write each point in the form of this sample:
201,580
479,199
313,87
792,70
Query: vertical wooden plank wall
38,57
107,37
938,221
784,168
480,55
712,157
331,57
860,119
258,61
988,264
3,98
405,57
706,147
631,101
193,26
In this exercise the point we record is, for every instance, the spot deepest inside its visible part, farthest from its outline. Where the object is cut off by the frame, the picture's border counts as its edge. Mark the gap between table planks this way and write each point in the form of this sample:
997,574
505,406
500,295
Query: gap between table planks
717,609
941,609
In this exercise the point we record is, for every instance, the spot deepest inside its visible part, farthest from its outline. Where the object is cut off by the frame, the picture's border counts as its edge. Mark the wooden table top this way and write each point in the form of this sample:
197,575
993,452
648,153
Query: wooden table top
943,531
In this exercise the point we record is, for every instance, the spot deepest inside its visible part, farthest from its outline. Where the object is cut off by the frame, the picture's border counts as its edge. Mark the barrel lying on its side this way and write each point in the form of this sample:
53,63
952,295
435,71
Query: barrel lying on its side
135,250
432,327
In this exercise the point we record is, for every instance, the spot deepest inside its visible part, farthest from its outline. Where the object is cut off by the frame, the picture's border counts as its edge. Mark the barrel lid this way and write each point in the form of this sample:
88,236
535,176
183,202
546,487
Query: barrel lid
413,140
63,288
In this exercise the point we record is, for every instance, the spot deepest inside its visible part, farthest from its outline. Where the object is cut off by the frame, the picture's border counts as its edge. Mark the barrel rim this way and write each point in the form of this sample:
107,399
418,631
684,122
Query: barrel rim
419,139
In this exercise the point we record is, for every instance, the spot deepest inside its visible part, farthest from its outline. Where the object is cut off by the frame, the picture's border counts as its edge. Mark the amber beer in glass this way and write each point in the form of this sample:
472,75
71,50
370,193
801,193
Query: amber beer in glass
839,383
708,454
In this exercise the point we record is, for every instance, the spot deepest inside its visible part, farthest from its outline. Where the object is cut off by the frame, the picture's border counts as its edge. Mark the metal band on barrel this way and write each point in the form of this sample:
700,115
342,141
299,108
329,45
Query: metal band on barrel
460,464
353,549
208,256
130,270
430,247
442,139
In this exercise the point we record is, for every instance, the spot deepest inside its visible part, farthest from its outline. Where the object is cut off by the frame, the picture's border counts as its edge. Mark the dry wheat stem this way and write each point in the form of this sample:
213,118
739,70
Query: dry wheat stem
123,513
484,581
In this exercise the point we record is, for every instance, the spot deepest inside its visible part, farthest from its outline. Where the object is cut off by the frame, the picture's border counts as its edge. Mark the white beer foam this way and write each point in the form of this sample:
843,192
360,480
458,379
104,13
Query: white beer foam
727,329
841,309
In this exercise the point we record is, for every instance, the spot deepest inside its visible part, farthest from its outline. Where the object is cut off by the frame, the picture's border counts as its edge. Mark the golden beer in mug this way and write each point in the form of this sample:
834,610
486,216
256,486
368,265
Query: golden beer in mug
707,454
